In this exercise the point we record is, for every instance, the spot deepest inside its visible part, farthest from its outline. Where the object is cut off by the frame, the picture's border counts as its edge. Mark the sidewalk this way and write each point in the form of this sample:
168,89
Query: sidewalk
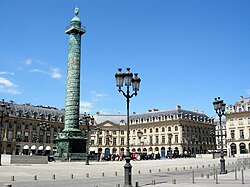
159,170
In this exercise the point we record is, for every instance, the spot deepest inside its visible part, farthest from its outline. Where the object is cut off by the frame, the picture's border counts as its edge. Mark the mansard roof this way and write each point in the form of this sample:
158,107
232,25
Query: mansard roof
116,119
166,113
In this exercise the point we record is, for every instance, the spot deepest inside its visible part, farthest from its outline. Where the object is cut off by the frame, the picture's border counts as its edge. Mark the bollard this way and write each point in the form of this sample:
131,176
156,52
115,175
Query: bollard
197,166
7,185
191,167
136,184
202,175
202,166
209,165
216,176
214,172
168,169
35,177
184,168
103,174
207,176
235,173
12,178
153,182
54,177
175,169
71,176
193,176
174,181
87,175
242,175
150,171
159,170
117,185
139,172
116,173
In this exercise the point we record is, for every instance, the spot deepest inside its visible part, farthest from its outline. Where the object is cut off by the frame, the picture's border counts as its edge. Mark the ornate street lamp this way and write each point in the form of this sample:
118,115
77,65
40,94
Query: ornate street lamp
87,120
4,112
129,80
219,107
139,134
44,126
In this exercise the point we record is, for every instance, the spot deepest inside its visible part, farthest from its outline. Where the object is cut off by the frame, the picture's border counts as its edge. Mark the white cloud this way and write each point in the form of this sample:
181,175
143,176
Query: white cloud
6,73
85,107
28,62
6,82
55,73
6,86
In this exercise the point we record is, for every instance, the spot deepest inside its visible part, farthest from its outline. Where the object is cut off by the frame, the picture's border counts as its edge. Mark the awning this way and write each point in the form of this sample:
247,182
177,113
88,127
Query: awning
40,147
26,147
48,148
33,147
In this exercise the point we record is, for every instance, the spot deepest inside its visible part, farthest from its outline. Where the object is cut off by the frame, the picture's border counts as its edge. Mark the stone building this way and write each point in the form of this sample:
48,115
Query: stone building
33,129
238,127
30,129
170,132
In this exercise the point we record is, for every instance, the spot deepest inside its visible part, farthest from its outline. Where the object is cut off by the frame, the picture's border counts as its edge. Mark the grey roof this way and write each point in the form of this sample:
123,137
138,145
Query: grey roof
167,112
100,118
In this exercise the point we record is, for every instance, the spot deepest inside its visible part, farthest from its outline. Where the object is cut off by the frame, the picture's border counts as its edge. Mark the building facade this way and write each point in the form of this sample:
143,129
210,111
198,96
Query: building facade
30,129
171,132
238,127
33,130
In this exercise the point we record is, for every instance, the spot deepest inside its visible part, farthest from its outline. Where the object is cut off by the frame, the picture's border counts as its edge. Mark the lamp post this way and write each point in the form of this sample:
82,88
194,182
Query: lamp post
88,121
129,80
4,112
44,126
219,107
139,134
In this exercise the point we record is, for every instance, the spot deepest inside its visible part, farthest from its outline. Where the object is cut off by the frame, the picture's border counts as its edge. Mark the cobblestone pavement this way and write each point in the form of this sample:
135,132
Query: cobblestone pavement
159,173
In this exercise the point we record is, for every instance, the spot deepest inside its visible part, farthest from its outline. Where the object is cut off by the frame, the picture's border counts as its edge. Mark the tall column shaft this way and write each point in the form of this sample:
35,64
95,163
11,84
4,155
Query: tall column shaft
73,83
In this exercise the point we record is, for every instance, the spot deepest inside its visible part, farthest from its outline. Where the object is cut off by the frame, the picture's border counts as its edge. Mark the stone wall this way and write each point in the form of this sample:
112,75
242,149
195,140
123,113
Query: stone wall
26,159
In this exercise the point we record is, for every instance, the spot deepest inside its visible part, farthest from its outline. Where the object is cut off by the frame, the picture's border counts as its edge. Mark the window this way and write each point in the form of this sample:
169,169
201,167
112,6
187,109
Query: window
240,121
151,140
232,134
241,134
114,132
151,130
100,141
169,128
157,139
122,132
163,129
231,122
156,130
114,141
145,131
163,139
133,131
122,141
176,128
176,138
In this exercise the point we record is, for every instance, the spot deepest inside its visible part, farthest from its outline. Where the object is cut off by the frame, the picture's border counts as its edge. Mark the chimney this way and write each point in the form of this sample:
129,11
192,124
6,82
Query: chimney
178,107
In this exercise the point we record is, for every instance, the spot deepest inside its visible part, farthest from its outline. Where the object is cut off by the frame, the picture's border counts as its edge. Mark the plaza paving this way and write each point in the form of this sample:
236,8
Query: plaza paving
149,173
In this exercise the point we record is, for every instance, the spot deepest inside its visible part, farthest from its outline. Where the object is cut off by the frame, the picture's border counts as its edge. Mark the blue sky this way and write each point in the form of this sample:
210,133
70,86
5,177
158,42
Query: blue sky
186,52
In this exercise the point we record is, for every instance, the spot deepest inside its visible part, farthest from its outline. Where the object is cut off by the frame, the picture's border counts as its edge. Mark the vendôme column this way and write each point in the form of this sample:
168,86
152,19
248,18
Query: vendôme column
70,142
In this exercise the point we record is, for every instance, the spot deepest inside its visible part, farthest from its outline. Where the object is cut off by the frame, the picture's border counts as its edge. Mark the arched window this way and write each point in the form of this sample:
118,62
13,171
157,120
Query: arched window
163,129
